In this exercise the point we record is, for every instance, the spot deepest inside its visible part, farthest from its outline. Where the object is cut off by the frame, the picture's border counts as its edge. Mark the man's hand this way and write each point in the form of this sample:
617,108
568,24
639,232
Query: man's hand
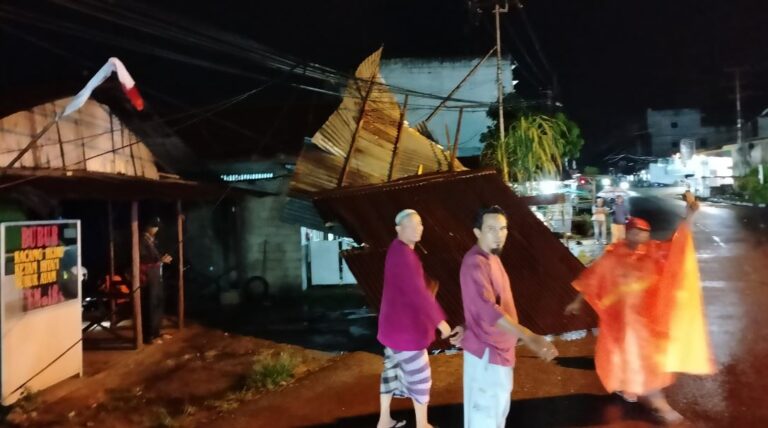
543,348
445,329
574,308
457,335
166,259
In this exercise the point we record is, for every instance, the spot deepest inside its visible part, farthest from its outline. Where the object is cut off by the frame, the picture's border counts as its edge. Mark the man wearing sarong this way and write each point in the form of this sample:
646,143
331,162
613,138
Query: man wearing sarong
647,295
408,318
491,329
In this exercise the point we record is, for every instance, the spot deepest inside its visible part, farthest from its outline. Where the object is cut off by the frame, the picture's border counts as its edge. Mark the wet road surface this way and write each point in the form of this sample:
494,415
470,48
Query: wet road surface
732,248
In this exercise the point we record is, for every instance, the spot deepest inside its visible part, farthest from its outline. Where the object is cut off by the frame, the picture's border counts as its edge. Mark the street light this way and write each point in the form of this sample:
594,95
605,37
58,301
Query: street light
547,187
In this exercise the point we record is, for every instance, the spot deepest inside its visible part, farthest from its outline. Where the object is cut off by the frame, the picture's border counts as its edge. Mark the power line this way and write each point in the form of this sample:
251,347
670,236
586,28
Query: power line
312,70
524,52
534,39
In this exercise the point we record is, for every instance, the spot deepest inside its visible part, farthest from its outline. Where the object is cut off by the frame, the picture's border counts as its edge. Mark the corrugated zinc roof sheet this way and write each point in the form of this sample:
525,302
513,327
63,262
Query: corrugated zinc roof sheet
321,163
540,267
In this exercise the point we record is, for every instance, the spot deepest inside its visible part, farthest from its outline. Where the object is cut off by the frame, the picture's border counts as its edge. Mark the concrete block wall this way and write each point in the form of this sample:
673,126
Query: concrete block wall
233,235
260,220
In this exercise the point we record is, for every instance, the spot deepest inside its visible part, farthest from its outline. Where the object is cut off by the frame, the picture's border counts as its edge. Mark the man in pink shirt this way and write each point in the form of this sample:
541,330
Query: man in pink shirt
492,329
408,318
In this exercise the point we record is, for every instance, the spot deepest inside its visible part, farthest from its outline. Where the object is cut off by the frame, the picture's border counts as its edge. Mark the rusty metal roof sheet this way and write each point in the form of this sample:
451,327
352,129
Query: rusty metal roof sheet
370,116
541,268
91,185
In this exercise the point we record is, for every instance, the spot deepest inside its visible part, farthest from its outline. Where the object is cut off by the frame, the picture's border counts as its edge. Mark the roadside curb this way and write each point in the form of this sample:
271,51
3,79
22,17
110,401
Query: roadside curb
743,204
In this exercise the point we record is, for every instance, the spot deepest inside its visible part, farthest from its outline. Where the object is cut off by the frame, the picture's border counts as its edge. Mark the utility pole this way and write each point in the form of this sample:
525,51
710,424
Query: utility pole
742,153
500,87
737,75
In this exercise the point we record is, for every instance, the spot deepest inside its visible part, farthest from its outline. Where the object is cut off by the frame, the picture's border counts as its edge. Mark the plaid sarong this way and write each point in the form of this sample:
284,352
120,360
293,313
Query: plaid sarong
407,374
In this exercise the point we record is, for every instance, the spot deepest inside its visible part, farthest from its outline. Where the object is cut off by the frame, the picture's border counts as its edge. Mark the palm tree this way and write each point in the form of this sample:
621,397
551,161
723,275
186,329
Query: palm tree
535,146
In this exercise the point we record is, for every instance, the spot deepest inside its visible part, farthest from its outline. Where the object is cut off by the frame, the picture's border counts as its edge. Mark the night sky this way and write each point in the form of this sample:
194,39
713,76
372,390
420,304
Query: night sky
612,59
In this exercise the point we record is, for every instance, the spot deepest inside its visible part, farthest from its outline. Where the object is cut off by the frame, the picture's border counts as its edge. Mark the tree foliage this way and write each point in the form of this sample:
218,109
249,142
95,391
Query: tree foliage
536,144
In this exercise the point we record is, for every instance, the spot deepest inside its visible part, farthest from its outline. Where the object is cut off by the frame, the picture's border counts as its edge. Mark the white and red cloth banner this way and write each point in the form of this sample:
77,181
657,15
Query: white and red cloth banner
129,86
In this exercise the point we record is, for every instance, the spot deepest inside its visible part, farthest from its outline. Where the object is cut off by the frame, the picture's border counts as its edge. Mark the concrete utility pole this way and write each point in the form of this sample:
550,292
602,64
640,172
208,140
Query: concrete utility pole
500,87
737,75
499,81
742,153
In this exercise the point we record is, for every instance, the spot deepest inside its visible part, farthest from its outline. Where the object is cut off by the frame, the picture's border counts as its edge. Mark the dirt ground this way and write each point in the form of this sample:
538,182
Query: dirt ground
196,379
191,379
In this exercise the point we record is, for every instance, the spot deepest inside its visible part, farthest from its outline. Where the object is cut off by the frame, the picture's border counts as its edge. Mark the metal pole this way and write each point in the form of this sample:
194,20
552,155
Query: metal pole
455,150
345,167
180,231
738,108
135,273
453,91
739,138
110,278
32,143
499,81
397,138
500,87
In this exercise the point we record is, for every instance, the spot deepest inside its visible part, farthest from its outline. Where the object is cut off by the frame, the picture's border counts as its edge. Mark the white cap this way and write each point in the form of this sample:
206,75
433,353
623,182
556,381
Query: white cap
402,215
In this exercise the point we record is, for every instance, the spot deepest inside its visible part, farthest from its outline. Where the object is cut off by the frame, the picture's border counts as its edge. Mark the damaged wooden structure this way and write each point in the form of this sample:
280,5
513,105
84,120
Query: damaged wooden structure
93,155
366,164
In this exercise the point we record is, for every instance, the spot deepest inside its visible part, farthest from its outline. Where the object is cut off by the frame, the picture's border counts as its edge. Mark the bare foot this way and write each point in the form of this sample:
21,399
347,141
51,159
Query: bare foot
661,408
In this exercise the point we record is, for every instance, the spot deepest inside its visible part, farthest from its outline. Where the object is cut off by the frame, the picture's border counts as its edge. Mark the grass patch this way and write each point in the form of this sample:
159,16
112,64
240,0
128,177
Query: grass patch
269,372
159,418
231,401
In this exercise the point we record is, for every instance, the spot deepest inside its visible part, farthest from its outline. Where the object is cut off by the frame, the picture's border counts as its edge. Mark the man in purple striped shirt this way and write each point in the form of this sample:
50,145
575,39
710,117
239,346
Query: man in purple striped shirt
492,328
408,318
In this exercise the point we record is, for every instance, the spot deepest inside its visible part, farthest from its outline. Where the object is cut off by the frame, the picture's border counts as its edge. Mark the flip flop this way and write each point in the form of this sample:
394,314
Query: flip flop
626,397
670,416
398,424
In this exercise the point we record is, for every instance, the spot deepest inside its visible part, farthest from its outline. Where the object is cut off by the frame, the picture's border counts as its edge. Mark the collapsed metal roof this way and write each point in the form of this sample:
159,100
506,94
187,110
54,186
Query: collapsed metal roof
540,267
367,141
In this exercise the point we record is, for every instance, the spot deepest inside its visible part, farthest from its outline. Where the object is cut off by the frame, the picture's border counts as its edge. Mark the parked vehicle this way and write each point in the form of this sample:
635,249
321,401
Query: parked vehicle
610,194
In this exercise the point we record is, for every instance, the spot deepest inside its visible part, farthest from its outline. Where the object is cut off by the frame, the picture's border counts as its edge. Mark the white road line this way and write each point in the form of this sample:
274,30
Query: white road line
719,242
700,226
714,284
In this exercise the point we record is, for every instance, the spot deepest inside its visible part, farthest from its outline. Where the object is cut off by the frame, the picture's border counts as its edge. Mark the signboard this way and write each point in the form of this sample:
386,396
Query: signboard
40,305
43,261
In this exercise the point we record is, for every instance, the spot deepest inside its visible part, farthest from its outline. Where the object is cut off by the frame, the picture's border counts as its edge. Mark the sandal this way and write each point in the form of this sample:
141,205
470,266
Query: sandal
629,398
669,416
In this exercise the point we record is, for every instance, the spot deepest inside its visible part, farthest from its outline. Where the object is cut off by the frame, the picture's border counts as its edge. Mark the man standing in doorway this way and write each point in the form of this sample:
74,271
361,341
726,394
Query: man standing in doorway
152,294
408,318
492,328
619,217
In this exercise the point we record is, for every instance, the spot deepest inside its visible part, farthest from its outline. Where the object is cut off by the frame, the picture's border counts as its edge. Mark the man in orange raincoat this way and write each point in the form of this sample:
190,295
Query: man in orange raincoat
647,295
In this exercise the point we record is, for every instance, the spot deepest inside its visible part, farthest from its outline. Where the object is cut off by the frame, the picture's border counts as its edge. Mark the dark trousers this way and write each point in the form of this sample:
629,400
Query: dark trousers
152,303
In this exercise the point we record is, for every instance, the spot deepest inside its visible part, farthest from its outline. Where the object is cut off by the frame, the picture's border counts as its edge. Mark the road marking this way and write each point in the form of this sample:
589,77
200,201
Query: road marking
719,242
700,226
714,284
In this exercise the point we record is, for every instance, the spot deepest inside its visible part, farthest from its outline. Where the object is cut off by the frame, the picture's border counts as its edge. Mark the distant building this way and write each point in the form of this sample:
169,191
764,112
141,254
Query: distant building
439,77
667,128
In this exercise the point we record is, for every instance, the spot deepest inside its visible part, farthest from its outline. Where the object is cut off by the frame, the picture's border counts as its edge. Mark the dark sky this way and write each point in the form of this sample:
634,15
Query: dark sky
612,58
